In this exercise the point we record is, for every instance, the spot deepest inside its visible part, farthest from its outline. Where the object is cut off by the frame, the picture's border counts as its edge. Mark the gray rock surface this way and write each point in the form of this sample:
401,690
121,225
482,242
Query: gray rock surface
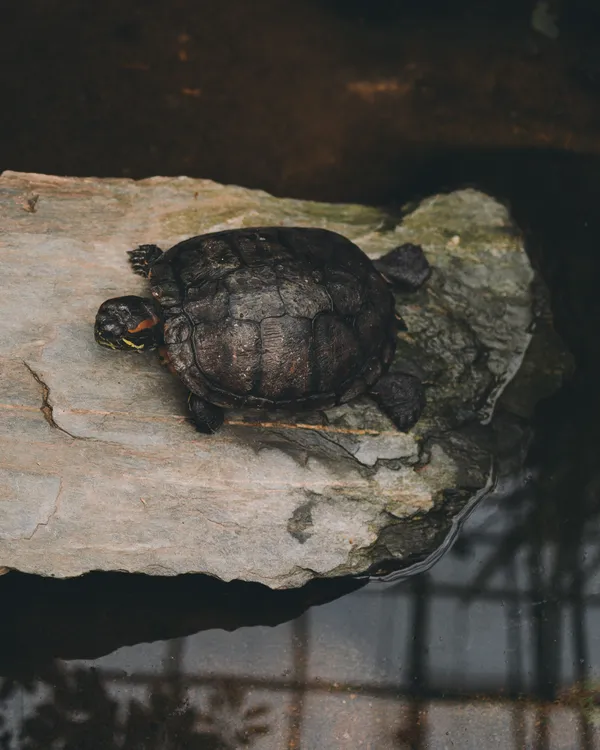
99,469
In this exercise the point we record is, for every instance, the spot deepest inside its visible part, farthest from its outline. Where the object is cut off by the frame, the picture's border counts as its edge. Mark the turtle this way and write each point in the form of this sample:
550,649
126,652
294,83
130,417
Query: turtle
277,317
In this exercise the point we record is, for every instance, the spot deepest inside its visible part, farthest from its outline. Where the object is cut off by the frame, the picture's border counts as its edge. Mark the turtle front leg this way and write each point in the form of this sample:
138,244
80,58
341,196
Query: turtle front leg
401,397
206,416
405,267
142,258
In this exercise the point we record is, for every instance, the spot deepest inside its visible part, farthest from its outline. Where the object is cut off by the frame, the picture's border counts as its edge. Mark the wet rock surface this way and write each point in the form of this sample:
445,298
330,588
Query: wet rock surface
99,468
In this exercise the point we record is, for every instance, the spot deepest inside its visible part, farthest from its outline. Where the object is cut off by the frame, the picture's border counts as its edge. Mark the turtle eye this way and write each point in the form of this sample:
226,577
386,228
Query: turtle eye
108,334
143,340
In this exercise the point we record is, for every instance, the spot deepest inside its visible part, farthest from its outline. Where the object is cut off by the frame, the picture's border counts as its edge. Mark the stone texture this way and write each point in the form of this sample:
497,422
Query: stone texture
99,469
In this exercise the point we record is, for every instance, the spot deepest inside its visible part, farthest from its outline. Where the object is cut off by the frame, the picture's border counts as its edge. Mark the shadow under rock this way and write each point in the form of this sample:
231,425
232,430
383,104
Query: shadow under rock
95,614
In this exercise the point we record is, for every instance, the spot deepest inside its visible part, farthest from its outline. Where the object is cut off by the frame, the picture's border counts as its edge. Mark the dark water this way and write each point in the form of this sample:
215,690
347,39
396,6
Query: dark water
499,644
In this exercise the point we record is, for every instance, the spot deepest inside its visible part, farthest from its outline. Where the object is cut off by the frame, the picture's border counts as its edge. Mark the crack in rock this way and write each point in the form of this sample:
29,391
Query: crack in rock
46,407
51,515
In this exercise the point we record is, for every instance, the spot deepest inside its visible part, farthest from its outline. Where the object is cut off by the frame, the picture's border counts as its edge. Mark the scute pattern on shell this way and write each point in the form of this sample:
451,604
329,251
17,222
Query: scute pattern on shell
274,316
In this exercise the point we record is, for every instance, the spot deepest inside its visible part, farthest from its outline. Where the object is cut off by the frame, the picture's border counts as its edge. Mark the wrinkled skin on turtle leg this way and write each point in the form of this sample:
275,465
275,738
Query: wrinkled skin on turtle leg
143,257
206,417
399,395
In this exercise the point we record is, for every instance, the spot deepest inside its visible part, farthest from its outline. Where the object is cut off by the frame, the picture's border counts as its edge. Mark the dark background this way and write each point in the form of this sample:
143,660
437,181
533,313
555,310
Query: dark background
328,99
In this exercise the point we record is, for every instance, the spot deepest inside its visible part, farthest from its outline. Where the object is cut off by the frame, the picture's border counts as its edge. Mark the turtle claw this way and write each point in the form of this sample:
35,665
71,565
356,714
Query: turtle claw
142,258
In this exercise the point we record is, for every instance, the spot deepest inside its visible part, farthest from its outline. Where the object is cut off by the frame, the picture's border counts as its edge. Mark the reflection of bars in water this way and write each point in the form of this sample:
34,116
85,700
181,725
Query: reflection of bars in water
422,704
530,697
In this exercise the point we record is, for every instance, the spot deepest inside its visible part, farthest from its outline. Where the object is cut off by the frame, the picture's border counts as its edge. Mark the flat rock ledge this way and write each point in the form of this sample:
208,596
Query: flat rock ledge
99,468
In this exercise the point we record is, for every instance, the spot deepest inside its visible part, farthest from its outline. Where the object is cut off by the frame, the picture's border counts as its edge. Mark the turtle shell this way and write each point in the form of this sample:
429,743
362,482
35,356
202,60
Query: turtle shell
274,317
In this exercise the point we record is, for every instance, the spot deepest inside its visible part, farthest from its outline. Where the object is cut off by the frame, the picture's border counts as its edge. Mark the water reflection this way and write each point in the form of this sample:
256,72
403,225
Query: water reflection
498,645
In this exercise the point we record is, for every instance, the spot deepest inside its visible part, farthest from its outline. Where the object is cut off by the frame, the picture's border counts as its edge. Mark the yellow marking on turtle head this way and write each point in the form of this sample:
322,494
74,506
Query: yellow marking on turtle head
130,343
104,342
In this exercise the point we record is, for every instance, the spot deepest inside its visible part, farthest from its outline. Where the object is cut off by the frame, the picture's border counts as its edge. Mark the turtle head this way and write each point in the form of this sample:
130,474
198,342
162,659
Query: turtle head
128,323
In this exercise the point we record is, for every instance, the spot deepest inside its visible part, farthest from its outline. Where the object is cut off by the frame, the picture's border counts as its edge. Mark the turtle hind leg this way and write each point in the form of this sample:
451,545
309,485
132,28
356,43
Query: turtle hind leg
401,397
405,267
142,258
206,416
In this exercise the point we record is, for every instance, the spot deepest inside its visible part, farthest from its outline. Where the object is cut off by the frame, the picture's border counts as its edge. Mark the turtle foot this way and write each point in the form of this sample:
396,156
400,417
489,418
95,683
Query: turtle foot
405,267
206,417
143,257
401,397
